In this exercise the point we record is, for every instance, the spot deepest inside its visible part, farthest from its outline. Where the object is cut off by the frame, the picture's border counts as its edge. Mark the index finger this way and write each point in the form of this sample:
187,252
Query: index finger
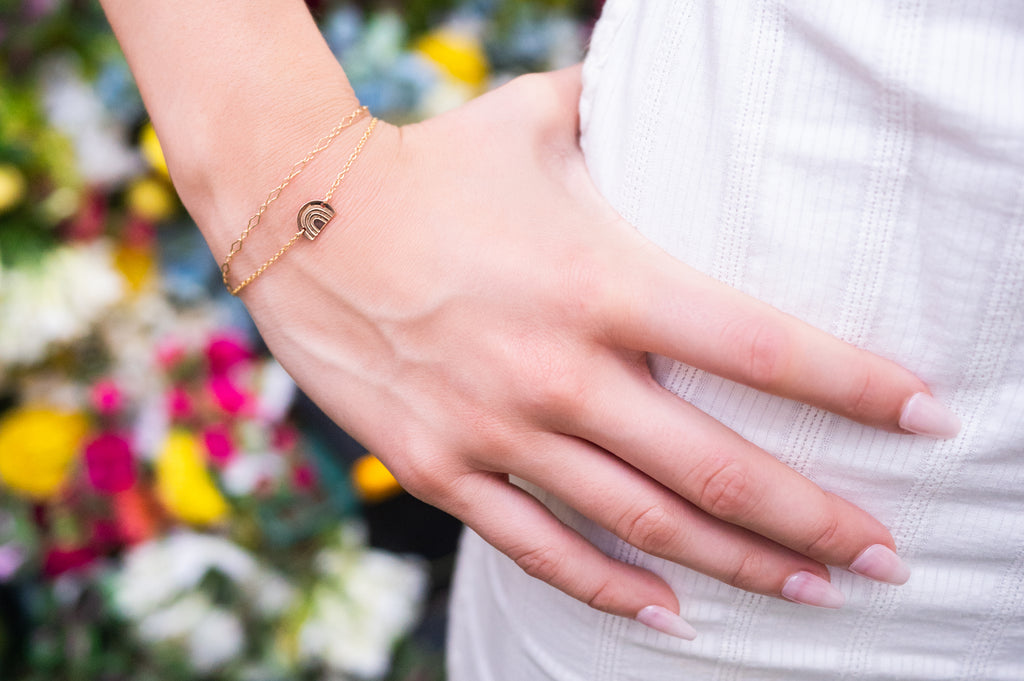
671,309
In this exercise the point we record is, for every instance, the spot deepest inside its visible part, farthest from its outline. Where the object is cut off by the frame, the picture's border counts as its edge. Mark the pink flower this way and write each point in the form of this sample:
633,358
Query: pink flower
106,397
12,558
224,352
226,394
109,463
303,477
169,352
284,438
179,404
219,447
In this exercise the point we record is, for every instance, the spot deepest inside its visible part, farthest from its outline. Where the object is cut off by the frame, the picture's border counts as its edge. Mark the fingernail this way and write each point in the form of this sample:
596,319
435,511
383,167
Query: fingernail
925,415
810,589
881,564
667,622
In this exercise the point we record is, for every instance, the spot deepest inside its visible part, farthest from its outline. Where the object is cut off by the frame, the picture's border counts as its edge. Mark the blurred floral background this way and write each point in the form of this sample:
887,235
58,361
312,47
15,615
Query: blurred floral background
171,507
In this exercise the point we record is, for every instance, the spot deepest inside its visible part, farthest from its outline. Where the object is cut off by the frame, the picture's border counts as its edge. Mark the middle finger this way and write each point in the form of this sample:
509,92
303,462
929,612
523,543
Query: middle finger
712,466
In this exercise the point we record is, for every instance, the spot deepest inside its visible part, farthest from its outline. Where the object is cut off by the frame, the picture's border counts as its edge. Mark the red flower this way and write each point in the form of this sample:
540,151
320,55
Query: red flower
109,462
225,352
105,534
134,515
91,219
219,447
138,233
60,560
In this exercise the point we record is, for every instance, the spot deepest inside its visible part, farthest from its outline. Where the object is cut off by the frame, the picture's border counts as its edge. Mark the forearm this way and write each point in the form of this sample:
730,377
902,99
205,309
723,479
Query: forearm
235,89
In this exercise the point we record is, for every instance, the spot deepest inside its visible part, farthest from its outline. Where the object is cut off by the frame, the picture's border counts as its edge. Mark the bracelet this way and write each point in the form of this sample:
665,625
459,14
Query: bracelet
313,216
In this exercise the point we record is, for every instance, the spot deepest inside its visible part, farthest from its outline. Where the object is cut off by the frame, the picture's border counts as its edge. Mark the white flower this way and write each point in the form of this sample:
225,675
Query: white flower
56,300
210,635
102,151
276,391
151,427
157,588
175,620
271,593
216,640
159,571
245,472
365,602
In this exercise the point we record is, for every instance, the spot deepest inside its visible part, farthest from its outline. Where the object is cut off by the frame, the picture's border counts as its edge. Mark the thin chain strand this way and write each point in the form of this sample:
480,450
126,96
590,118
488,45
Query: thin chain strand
297,168
274,193
259,270
350,161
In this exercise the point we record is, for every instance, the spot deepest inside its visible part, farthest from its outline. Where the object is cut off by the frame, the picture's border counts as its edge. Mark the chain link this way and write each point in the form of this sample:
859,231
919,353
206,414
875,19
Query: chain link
321,144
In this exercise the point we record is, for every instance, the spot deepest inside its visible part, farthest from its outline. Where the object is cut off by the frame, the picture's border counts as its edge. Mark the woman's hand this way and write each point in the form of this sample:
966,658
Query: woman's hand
477,311
481,312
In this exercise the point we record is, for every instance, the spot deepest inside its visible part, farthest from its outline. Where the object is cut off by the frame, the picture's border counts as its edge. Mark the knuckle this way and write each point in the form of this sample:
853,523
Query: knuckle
587,280
425,475
542,562
764,350
864,391
651,529
538,94
749,573
603,596
549,119
561,390
725,489
825,536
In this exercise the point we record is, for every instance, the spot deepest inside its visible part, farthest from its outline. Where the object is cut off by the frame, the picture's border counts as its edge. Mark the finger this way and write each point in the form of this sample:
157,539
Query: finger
658,521
671,309
522,528
713,467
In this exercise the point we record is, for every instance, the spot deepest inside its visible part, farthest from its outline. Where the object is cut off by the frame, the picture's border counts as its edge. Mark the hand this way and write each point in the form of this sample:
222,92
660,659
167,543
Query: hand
480,311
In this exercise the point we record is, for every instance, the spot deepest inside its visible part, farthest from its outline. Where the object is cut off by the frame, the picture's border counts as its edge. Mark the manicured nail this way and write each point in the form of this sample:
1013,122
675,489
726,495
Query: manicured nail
810,589
667,622
879,563
925,415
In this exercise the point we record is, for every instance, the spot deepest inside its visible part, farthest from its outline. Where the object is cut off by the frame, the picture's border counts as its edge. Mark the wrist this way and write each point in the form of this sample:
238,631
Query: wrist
348,175
224,165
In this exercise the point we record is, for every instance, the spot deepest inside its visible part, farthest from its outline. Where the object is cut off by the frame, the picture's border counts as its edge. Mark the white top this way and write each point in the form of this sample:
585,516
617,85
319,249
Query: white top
861,166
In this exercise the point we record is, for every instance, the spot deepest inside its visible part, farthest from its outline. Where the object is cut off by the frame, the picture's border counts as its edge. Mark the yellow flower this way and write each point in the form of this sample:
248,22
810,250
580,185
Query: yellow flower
151,151
184,484
459,54
151,199
372,481
38,446
12,186
137,265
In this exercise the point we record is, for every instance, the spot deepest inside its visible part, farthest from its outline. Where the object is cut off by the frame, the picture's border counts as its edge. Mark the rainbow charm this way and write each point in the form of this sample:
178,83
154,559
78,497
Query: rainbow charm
313,217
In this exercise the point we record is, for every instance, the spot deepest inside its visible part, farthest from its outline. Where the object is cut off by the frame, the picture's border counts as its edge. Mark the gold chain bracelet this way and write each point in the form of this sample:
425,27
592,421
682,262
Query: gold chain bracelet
313,216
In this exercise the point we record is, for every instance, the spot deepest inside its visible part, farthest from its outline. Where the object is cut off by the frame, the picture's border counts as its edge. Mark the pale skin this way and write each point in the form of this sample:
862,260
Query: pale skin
477,310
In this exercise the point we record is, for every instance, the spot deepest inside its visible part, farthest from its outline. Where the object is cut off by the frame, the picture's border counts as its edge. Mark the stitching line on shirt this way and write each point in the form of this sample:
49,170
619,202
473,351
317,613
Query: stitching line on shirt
732,247
885,189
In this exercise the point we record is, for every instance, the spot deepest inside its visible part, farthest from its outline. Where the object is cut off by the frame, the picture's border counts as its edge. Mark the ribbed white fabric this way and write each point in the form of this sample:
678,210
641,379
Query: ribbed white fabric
860,165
